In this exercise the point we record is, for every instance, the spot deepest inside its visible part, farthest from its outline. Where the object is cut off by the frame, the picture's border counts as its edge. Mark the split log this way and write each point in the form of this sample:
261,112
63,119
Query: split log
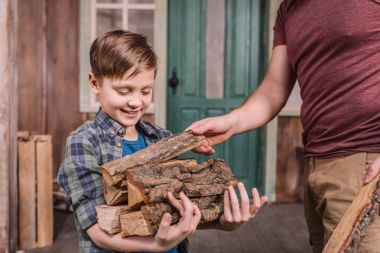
109,217
114,194
151,184
146,221
355,222
163,150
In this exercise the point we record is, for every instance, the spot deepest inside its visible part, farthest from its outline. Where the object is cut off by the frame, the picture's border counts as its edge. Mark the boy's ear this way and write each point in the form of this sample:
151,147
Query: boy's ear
94,83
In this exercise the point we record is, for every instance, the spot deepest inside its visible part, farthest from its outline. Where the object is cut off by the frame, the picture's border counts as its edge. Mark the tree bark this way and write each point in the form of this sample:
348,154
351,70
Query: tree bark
163,150
355,222
151,184
146,221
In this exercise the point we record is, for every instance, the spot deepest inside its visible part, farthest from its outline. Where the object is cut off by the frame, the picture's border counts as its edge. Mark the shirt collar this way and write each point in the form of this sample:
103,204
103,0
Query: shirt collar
113,128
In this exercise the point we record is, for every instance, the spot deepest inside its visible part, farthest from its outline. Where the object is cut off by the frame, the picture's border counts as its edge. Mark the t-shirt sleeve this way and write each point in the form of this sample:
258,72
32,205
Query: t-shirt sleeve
279,37
81,179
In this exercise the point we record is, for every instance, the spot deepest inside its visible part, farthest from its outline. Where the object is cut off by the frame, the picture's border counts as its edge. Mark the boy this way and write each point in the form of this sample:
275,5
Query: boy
123,68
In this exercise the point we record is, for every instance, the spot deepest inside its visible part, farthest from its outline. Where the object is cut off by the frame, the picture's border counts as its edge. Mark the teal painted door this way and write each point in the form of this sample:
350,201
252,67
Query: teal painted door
241,66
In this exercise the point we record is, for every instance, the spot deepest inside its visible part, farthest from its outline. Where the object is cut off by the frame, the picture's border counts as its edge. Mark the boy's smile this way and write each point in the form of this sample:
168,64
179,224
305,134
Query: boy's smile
125,100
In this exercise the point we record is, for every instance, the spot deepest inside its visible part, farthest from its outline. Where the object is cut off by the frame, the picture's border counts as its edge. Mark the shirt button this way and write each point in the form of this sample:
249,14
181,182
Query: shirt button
112,132
120,131
118,145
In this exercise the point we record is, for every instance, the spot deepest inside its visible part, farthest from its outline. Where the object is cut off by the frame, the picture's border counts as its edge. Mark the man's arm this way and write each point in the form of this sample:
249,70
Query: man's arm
271,95
259,108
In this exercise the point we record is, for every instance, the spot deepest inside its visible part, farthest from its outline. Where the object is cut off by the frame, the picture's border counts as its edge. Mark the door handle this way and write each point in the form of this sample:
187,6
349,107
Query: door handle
173,81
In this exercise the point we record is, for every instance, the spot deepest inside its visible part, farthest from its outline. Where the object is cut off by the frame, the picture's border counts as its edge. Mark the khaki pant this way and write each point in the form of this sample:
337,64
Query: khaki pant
331,185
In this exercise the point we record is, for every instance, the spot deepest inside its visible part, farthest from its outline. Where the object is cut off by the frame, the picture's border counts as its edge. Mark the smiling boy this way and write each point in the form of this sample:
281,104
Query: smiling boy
123,68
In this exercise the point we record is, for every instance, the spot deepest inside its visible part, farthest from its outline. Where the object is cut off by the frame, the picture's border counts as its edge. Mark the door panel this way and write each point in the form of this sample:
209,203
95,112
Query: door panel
243,53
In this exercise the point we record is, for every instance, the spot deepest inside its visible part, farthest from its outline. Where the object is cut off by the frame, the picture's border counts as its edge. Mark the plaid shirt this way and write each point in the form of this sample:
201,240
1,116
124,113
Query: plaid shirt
91,145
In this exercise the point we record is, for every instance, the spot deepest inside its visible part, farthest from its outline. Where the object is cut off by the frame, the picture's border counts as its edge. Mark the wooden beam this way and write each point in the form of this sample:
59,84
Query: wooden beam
8,126
356,220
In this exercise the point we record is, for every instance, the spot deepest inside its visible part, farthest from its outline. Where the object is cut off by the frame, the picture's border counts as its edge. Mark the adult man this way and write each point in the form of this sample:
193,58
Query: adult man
333,49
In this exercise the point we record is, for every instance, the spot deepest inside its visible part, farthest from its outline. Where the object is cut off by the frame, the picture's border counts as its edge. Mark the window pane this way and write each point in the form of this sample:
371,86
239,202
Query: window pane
140,1
110,1
108,19
215,49
141,21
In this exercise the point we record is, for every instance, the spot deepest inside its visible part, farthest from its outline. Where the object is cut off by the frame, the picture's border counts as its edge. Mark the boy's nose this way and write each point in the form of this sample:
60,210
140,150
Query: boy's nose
134,103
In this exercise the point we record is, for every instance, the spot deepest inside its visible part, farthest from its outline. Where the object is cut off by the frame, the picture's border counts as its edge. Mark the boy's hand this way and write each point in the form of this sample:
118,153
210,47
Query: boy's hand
236,214
168,236
373,170
216,129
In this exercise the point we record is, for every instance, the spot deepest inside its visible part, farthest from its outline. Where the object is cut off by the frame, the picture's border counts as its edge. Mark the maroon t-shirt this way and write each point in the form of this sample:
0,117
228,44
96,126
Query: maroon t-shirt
334,49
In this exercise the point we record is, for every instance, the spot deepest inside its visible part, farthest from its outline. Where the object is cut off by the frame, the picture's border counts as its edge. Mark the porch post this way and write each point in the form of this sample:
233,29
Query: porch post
8,126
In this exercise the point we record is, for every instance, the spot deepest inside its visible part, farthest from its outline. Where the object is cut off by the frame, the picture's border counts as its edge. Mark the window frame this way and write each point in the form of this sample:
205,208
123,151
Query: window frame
88,33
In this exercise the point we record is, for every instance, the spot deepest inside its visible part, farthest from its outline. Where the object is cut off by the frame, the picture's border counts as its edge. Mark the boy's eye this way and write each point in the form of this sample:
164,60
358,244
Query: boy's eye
146,92
122,92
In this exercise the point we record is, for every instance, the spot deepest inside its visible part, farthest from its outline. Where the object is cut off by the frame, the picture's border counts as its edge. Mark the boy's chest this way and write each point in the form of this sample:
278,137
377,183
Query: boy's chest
112,148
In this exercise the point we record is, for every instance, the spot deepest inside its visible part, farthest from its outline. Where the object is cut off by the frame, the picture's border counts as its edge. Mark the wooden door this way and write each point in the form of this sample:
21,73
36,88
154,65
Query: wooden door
216,56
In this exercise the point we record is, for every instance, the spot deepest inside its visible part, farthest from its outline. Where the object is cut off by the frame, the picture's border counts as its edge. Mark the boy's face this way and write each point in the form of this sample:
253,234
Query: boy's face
125,100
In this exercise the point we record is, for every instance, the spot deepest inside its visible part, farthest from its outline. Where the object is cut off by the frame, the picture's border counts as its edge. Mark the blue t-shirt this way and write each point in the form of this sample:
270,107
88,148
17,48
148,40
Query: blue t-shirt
130,147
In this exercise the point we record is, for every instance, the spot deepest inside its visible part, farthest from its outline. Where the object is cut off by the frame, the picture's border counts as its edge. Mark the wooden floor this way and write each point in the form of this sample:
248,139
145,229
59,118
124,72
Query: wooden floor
277,228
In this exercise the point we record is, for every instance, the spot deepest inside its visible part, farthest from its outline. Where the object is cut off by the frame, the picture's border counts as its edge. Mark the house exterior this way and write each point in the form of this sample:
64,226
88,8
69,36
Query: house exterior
218,51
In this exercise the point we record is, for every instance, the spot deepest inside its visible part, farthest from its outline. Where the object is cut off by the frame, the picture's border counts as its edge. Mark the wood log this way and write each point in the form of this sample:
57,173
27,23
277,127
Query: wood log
109,217
355,222
114,194
161,151
151,184
146,221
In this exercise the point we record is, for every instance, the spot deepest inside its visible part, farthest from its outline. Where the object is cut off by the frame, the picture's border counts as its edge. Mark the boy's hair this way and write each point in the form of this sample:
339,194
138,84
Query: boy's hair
115,52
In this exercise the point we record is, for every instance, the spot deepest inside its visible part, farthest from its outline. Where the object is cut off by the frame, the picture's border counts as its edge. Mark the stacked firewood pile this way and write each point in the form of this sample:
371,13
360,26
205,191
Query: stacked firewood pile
135,187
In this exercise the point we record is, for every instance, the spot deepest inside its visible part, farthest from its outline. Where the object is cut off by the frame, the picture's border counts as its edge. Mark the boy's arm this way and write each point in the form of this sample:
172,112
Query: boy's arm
80,177
166,238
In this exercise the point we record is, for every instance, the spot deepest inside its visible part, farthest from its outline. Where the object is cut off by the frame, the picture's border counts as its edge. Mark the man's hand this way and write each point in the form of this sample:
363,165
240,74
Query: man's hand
235,213
373,170
169,236
216,129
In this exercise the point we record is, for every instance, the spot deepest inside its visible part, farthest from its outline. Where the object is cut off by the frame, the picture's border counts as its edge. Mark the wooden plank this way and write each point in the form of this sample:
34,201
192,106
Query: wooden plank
356,220
8,126
62,71
31,66
27,194
289,169
44,170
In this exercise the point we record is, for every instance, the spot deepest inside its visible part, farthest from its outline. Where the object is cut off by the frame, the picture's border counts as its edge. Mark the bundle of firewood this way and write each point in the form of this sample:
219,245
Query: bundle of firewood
136,186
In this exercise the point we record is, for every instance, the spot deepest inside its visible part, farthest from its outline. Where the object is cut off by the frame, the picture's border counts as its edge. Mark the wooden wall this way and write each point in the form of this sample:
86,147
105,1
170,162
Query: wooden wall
48,70
289,174
8,121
